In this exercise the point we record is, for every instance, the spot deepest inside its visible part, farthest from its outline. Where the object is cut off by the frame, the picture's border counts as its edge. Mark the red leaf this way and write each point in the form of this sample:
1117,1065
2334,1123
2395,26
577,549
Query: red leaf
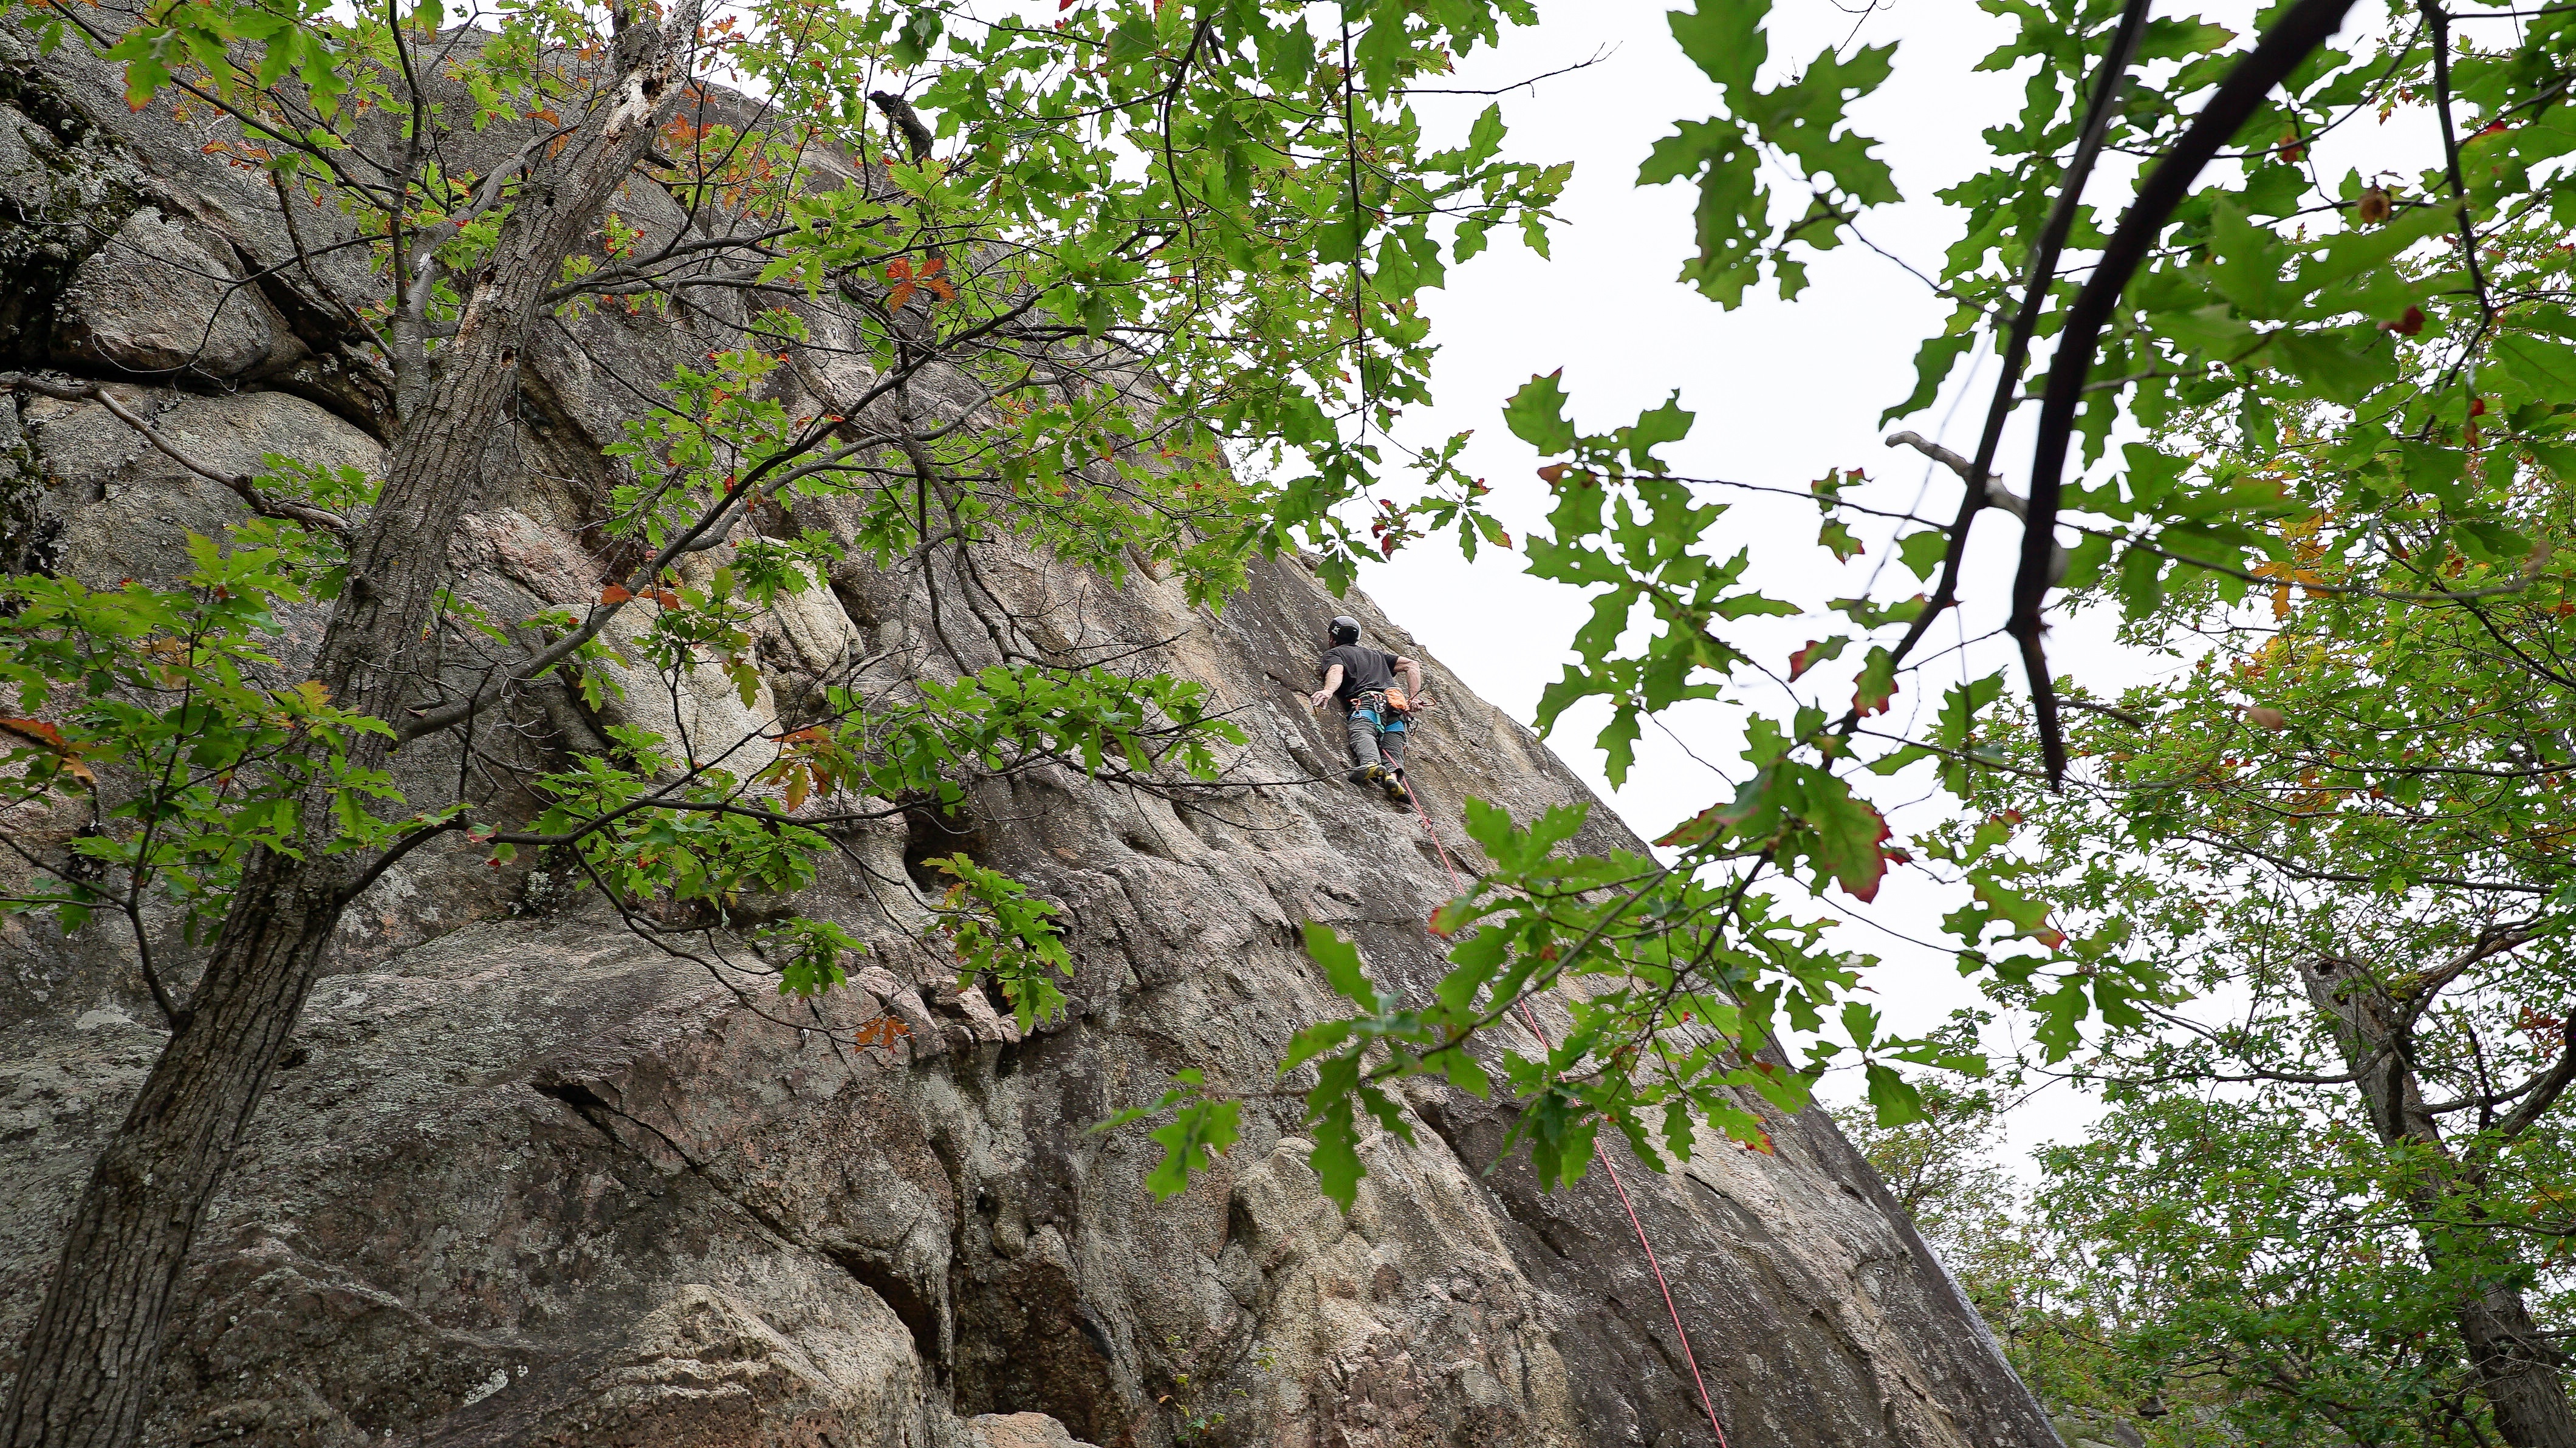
37,731
1860,878
2408,323
1804,659
901,294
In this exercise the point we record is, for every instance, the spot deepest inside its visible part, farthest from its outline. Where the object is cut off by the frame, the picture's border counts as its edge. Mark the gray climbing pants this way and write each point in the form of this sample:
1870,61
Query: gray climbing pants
1376,735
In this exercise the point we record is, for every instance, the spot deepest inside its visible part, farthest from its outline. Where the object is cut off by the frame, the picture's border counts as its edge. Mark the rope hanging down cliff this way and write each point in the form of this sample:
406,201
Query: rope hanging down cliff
1653,1263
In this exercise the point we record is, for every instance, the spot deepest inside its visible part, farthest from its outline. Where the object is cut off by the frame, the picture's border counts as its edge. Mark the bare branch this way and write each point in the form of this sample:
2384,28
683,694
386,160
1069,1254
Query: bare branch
2545,1091
1996,494
241,483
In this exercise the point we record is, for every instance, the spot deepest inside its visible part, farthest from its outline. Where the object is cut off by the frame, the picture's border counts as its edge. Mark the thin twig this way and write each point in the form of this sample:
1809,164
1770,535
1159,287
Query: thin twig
241,483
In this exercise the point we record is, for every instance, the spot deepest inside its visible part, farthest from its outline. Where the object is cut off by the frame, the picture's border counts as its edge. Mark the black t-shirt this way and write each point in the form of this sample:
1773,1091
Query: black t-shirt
1362,670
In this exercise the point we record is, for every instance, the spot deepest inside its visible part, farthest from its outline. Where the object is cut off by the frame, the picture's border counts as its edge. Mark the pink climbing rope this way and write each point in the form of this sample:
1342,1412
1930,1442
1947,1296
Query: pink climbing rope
1653,1263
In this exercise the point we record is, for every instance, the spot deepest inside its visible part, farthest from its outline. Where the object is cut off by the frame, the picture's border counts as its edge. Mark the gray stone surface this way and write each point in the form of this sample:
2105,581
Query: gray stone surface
529,1180
1020,1430
156,299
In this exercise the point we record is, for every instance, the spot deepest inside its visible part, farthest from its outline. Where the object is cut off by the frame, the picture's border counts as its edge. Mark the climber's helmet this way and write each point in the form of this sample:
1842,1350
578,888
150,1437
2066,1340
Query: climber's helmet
1346,630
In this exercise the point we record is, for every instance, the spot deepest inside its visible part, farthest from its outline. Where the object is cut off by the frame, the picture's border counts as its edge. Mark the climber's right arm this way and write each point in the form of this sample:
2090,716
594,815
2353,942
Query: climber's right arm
1332,686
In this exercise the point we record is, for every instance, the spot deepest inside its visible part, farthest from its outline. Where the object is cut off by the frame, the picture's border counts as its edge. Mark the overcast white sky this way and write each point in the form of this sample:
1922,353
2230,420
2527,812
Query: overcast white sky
1783,391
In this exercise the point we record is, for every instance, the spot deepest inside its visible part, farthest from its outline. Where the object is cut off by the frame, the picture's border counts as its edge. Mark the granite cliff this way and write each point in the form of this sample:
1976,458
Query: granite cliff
529,1179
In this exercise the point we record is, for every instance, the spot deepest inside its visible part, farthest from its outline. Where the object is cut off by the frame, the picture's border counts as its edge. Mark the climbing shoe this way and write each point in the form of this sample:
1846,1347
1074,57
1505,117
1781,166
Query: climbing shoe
1393,784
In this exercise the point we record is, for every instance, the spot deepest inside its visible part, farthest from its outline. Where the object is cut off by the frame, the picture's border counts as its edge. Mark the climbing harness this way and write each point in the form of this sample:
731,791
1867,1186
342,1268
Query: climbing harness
1386,708
1385,711
1654,1264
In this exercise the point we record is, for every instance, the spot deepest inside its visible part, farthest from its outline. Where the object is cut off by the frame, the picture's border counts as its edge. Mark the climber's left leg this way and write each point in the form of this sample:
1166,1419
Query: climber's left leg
1367,766
1390,747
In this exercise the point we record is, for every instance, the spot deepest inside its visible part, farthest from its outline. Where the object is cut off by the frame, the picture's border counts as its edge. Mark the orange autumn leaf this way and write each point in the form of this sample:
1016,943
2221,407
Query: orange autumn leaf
44,735
37,731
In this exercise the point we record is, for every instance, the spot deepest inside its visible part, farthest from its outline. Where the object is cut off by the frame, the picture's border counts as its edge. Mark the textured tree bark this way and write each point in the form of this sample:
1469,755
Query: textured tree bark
93,1353
2517,1368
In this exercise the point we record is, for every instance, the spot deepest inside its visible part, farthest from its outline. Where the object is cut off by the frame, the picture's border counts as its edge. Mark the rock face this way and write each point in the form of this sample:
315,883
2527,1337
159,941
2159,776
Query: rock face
529,1179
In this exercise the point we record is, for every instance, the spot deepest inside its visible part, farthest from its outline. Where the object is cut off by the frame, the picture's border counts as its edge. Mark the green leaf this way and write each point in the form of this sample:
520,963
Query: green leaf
1336,1158
1343,969
1849,837
919,31
1724,38
1664,424
1933,362
1922,553
2534,368
2343,365
1876,685
1536,415
1892,1096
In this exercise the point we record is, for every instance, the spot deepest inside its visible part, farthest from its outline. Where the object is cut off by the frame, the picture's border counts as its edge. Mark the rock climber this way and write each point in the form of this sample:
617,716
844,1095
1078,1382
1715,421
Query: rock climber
1363,680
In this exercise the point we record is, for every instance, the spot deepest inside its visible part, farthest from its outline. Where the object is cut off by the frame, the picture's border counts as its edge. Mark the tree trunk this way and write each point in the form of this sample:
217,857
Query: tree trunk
2517,1369
93,1355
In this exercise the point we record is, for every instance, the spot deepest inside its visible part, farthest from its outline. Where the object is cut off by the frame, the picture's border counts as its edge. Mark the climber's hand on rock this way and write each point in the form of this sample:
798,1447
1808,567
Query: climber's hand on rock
1316,700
